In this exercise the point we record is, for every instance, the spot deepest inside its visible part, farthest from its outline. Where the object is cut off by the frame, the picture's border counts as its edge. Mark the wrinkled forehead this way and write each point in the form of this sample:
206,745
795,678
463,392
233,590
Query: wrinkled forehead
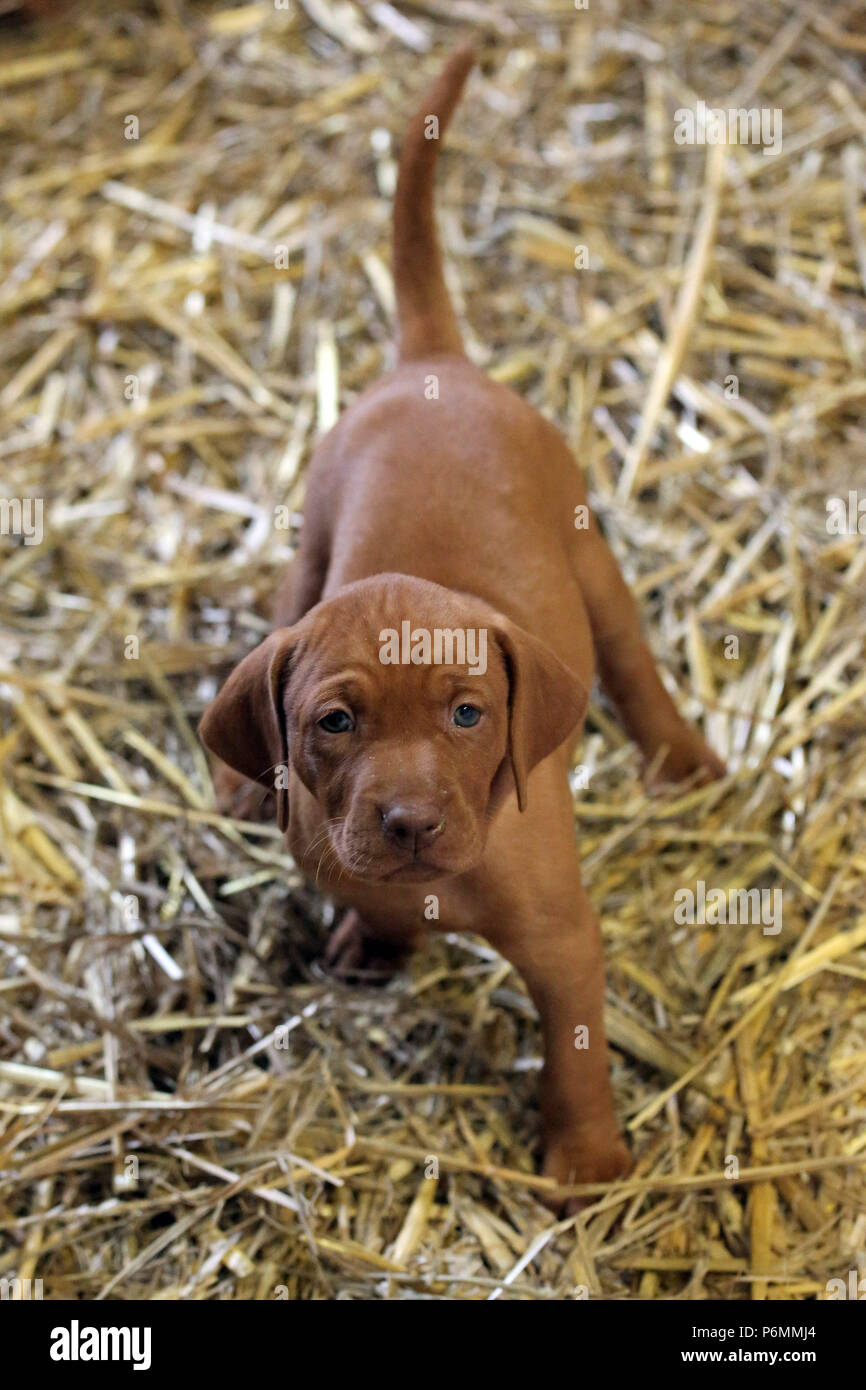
430,651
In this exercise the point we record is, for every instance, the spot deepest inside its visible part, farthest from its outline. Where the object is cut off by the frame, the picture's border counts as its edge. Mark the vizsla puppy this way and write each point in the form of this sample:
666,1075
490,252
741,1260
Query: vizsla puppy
417,709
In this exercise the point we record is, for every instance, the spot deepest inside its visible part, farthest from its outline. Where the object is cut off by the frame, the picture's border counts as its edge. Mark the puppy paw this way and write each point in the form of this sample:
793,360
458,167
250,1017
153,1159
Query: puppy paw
593,1156
238,797
354,953
688,756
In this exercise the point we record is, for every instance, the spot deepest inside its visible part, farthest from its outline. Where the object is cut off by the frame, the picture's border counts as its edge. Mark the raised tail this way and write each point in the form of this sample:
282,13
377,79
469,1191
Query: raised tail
425,318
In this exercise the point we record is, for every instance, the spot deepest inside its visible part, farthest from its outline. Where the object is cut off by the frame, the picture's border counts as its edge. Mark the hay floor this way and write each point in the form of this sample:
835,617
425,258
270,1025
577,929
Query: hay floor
189,1107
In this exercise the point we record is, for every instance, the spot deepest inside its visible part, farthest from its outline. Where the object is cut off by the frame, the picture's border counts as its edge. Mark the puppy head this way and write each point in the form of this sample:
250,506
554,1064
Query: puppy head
409,712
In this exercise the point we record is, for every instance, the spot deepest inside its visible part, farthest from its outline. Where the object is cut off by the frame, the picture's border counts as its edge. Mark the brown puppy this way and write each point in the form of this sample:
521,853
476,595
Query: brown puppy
418,708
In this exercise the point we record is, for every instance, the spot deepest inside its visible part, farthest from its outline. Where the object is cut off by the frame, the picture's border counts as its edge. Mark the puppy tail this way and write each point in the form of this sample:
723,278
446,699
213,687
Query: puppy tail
425,317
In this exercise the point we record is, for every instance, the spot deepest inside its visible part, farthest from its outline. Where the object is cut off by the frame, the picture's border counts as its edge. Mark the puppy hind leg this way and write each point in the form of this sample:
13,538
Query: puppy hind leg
628,672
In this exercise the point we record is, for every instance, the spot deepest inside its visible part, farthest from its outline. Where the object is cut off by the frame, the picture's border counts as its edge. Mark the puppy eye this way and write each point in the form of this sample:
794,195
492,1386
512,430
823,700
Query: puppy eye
337,721
465,716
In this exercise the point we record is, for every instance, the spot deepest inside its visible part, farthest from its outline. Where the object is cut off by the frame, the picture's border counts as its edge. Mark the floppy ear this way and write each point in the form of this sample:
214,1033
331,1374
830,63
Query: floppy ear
545,701
245,724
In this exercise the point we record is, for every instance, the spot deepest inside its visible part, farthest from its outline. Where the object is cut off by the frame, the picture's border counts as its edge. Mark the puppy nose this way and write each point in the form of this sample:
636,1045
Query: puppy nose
412,828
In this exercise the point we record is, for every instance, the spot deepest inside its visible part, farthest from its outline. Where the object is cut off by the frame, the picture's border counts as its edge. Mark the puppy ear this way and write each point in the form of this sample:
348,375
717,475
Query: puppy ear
546,701
245,724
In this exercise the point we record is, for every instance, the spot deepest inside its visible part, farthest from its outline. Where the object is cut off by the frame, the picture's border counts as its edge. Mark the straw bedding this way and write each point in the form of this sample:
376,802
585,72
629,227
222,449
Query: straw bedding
189,1106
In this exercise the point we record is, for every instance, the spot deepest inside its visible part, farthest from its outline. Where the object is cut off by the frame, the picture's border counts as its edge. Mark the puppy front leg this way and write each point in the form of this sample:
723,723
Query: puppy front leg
559,955
368,949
